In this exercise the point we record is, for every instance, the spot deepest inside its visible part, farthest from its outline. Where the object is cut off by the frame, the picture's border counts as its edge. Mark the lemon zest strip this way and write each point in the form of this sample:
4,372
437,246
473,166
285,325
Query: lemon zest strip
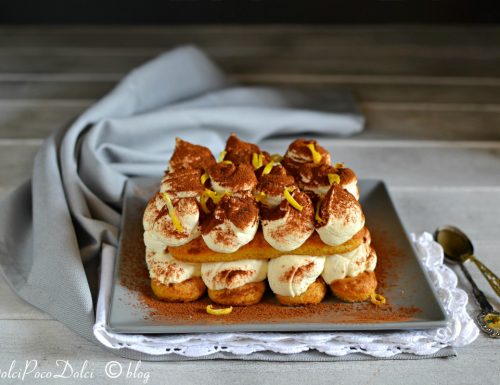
268,168
257,160
203,203
226,162
204,177
315,154
292,201
377,299
171,212
216,197
224,311
340,165
222,155
333,179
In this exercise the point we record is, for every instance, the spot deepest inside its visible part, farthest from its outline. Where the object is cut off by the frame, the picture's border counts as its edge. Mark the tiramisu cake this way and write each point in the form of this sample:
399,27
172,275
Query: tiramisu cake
230,225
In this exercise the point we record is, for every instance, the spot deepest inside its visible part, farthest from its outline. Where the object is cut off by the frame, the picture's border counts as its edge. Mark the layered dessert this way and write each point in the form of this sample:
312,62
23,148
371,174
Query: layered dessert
235,226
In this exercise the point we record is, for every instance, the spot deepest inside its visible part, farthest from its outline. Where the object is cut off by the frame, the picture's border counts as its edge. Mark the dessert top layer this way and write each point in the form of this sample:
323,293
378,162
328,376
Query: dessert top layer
289,196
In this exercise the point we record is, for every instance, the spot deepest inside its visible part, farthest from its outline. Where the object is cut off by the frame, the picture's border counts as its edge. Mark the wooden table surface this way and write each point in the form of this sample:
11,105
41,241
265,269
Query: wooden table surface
431,95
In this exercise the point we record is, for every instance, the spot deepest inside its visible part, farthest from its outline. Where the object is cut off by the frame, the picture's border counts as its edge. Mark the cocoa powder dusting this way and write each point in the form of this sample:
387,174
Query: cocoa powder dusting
190,156
239,152
133,274
168,270
236,177
231,276
241,211
297,273
339,203
274,184
184,180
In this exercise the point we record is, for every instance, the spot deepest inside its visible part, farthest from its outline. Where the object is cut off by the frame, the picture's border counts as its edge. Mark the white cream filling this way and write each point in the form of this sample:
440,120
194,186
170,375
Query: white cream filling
275,235
352,188
340,230
371,261
322,190
171,169
154,241
350,264
283,278
227,238
273,200
318,190
162,231
165,269
254,270
220,189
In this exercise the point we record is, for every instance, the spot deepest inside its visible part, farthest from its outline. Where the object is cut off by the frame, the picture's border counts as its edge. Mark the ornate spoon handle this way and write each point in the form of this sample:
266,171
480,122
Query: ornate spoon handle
488,274
478,294
488,319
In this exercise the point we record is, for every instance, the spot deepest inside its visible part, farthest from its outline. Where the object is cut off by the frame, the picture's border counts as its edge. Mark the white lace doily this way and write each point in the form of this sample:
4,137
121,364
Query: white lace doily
461,329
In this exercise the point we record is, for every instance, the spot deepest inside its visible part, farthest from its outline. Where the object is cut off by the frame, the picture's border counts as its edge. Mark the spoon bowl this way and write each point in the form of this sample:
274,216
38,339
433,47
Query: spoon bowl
456,245
458,248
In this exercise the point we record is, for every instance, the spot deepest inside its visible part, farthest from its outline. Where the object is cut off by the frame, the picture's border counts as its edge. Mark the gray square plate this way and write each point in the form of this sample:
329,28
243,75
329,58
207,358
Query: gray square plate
412,302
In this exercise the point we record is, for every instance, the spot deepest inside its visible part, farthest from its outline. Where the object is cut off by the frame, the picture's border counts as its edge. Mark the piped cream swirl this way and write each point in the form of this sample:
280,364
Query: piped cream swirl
340,217
159,229
291,275
285,227
231,275
233,224
167,270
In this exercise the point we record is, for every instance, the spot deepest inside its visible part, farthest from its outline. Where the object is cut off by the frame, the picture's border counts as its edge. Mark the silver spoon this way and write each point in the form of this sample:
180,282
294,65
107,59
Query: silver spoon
458,249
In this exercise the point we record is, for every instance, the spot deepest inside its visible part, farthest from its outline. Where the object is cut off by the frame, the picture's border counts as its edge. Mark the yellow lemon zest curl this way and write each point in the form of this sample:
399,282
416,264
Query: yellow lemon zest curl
333,179
222,155
257,160
204,178
216,197
315,154
268,168
203,203
377,299
224,311
291,200
171,212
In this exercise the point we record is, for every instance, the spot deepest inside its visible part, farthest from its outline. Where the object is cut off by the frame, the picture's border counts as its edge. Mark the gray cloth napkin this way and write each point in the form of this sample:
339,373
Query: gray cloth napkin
52,227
